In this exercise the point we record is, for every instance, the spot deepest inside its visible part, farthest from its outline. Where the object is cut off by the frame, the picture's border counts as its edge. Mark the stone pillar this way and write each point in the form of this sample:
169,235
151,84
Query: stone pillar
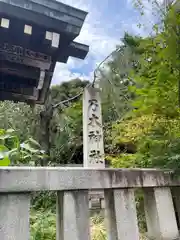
60,216
110,215
73,215
93,142
14,216
92,129
176,199
121,215
160,214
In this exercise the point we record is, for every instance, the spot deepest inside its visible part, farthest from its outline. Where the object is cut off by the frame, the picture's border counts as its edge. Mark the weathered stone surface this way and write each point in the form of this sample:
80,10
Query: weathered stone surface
93,141
125,213
176,200
17,179
14,216
73,220
110,215
160,214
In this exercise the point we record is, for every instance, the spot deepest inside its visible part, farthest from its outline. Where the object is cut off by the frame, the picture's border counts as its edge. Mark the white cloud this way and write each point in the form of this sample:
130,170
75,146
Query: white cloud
92,34
64,74
99,33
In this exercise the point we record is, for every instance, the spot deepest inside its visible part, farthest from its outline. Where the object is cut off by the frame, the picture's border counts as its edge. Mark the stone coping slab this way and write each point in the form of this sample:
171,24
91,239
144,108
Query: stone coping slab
27,179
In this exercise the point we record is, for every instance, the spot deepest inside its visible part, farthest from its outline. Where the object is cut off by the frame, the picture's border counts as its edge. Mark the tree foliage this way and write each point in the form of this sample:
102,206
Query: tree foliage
13,152
140,86
152,124
58,130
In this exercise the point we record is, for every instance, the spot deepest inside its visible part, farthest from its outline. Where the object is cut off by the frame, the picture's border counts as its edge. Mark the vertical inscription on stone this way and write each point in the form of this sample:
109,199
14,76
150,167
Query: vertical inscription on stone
92,129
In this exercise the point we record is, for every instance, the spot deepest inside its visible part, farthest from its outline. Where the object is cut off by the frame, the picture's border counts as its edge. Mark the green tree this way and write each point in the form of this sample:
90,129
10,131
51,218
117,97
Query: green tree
115,79
55,132
52,125
152,125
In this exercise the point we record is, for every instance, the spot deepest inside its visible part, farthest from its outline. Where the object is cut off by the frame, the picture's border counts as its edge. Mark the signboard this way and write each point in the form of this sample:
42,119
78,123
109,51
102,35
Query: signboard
18,54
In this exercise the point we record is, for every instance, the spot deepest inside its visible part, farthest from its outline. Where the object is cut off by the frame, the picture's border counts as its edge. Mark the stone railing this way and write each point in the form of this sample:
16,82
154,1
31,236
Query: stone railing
72,185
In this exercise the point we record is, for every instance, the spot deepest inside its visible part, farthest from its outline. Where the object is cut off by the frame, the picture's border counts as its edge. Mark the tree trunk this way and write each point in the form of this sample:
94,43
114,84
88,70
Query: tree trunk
45,121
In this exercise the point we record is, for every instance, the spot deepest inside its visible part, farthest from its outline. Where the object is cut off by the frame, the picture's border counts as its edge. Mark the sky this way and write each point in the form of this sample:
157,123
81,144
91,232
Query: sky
104,27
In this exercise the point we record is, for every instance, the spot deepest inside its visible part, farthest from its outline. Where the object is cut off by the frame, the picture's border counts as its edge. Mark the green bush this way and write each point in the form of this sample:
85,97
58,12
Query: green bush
98,231
43,201
15,152
43,226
